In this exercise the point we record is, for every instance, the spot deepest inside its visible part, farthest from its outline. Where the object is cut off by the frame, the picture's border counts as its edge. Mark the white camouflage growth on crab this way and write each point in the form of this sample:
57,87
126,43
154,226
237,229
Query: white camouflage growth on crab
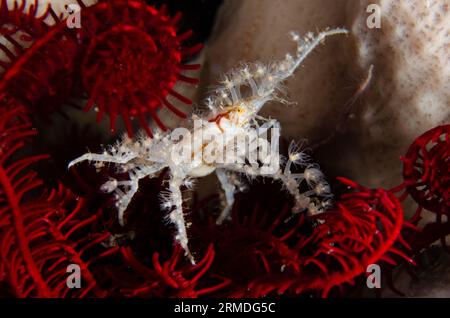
233,116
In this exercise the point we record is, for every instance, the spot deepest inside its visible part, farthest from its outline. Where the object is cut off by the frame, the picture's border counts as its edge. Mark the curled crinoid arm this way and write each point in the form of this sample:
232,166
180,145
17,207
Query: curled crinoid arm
134,56
39,60
426,170
364,228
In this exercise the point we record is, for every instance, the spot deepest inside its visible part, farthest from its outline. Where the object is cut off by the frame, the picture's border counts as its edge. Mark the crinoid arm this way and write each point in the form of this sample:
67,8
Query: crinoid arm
134,57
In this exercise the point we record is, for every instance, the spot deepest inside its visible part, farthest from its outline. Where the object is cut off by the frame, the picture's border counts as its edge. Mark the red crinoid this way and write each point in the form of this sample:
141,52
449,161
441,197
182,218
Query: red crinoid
254,244
173,278
39,60
133,58
426,170
40,233
360,231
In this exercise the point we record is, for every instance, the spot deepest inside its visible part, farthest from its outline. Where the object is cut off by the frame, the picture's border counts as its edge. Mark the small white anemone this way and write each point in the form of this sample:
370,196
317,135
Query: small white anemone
296,155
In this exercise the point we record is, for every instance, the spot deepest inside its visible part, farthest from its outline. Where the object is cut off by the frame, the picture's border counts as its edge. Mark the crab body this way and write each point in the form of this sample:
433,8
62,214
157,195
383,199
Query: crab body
231,139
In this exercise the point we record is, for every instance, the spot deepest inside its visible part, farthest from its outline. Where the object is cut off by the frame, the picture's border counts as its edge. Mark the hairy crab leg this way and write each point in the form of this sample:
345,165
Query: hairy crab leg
176,215
103,158
229,188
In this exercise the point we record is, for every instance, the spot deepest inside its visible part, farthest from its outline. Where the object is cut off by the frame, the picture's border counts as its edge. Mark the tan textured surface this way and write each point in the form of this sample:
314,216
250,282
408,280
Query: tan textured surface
411,89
